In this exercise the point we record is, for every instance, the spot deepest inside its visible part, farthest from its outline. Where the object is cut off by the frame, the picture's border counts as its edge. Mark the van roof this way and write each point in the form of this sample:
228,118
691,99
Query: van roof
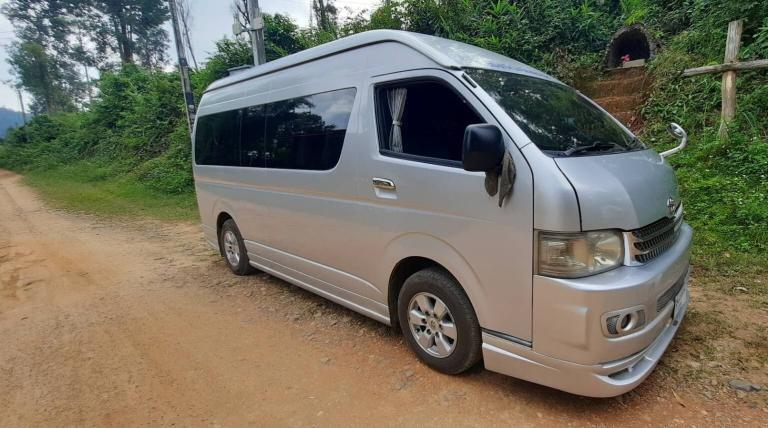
447,53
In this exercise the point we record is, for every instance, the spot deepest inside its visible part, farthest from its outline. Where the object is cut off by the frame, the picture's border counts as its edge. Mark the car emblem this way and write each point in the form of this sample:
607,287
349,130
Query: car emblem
671,205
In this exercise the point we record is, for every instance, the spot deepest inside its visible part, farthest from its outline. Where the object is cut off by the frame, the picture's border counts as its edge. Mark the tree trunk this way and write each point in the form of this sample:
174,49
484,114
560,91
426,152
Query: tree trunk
46,86
123,39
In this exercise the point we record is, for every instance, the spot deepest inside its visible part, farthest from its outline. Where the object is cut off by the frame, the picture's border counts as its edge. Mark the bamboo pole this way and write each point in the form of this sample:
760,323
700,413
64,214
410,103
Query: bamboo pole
736,66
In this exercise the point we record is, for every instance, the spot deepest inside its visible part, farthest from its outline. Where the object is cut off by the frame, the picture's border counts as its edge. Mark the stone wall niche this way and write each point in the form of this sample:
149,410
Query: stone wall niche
634,41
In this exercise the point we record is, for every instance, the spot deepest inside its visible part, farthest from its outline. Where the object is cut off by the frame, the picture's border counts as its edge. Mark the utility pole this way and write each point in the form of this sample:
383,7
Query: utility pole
186,85
311,12
256,31
21,103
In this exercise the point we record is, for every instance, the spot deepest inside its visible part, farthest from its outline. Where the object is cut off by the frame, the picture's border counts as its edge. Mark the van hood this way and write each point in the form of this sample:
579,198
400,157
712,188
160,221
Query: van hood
623,191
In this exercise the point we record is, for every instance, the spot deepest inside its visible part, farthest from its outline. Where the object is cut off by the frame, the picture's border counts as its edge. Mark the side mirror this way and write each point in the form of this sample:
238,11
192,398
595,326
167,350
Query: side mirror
678,132
483,147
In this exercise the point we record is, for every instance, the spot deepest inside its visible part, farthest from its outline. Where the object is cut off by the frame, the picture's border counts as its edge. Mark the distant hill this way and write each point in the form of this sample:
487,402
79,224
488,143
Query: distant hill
9,119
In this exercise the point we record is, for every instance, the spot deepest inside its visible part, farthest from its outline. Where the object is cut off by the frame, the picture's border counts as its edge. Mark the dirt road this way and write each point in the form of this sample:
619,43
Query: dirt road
106,322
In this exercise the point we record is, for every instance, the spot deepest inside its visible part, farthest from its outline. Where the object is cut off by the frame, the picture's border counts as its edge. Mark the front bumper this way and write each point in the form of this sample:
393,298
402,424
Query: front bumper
569,349
601,380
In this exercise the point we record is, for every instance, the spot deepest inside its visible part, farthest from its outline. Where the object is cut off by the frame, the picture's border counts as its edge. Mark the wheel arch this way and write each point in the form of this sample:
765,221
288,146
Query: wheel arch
413,252
220,219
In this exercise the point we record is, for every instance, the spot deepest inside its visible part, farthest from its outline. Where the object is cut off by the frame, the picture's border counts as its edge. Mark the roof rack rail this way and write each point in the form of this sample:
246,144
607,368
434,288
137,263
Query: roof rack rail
235,70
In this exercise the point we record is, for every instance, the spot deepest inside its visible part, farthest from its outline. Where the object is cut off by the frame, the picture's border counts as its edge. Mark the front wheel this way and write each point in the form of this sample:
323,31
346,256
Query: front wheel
438,321
233,248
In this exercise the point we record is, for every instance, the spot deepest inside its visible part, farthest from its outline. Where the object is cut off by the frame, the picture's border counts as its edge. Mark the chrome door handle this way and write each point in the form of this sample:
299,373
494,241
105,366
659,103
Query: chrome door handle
384,184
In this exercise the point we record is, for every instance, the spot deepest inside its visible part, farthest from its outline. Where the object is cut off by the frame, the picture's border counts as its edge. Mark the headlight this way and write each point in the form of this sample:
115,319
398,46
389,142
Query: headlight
573,255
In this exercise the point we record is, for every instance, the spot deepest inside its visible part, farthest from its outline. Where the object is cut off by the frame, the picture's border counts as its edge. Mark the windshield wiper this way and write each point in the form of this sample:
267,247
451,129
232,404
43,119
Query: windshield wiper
598,146
637,143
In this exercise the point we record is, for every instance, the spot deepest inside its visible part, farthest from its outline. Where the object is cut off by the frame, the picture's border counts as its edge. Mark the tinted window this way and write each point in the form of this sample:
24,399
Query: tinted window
252,137
300,133
308,132
559,120
433,120
217,139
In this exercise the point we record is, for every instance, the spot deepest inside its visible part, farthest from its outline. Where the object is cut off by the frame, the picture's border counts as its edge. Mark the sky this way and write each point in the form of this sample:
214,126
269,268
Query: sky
212,20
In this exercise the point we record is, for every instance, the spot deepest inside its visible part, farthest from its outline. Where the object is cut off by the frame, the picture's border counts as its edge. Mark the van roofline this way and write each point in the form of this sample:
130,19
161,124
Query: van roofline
464,55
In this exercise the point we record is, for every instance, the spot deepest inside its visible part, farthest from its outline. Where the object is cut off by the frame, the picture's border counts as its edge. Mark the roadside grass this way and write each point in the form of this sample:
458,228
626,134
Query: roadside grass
91,188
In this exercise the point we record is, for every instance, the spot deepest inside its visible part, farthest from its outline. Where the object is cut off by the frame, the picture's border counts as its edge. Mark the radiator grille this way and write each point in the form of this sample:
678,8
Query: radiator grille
670,294
651,241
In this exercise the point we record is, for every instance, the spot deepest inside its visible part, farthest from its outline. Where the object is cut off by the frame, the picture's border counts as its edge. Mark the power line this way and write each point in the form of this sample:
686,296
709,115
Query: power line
186,84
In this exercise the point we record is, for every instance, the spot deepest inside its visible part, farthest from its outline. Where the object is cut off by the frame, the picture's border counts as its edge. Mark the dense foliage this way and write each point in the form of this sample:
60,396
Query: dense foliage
724,181
135,127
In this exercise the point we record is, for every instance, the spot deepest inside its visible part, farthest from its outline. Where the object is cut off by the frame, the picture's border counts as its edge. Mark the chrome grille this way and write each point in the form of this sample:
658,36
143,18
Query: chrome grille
670,294
651,241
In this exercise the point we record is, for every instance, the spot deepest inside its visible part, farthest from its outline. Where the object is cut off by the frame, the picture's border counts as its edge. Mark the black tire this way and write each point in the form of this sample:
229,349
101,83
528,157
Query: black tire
241,266
467,346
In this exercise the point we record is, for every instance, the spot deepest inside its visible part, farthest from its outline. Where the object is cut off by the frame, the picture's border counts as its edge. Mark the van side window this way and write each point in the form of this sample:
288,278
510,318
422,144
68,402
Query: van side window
308,132
252,137
217,139
423,118
299,133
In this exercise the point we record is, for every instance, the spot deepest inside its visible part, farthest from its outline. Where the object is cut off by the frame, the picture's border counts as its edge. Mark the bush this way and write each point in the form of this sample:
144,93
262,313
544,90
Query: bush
172,171
135,127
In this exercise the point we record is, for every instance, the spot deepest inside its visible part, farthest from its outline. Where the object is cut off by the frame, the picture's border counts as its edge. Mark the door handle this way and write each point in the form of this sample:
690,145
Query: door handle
384,184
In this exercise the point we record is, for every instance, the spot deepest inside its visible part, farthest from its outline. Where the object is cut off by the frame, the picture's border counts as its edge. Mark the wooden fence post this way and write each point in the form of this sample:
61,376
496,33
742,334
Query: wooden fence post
729,77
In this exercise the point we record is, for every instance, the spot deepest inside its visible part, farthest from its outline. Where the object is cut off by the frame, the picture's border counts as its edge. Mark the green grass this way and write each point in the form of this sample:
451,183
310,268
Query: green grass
88,187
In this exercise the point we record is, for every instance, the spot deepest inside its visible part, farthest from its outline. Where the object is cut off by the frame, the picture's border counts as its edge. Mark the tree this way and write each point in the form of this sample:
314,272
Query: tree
44,22
240,11
281,36
85,57
132,29
39,73
387,16
42,59
326,15
228,54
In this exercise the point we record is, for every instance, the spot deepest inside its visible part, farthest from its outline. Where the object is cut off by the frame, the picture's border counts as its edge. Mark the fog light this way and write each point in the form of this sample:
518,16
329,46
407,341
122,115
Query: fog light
623,322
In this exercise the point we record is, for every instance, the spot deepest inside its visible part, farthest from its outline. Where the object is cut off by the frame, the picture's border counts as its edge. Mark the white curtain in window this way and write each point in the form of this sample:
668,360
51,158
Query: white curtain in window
396,99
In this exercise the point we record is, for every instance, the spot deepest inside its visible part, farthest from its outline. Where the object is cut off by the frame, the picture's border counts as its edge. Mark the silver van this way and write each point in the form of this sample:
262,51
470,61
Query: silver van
483,207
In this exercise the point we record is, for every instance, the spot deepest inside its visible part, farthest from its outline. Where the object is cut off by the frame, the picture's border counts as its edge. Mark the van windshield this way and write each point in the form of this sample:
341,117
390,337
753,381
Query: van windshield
559,120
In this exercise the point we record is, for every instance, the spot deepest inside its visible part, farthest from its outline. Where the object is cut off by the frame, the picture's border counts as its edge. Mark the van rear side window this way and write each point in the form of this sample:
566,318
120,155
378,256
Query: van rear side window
299,133
217,139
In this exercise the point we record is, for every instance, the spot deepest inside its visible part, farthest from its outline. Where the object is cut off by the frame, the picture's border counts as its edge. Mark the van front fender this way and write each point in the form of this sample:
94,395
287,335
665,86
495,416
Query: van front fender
430,247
